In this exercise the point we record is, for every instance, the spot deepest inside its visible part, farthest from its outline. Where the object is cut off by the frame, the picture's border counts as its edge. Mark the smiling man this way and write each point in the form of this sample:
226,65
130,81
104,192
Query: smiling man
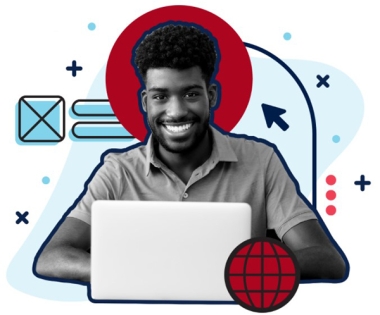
178,105
187,159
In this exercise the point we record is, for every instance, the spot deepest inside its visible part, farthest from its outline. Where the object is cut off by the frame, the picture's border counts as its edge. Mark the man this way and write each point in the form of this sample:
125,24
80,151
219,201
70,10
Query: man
186,159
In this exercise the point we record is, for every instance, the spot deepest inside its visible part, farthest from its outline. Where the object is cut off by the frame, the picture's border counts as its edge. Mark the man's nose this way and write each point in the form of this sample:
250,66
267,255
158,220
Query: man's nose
176,108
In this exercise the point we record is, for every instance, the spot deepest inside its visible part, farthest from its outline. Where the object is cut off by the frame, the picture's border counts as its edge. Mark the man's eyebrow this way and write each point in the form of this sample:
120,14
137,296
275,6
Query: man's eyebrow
157,89
193,86
185,88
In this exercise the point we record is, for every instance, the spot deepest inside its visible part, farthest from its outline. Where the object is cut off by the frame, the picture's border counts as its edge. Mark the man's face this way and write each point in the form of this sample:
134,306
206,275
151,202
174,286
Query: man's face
177,103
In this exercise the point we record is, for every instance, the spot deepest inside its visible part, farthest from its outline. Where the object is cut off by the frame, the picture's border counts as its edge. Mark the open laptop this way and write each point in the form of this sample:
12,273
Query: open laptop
147,251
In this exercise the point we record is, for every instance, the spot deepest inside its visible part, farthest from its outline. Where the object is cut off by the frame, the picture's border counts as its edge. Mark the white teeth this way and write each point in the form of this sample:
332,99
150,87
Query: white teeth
178,128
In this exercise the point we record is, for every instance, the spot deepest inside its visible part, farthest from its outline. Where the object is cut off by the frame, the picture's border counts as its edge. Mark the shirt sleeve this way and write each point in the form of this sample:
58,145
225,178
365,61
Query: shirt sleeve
102,186
285,208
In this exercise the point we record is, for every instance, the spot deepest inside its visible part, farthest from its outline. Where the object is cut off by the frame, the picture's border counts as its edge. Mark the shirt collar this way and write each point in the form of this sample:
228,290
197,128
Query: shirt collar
221,147
150,155
221,150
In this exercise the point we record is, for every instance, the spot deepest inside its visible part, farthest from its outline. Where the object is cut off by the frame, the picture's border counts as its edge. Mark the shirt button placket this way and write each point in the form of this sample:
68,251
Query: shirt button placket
185,195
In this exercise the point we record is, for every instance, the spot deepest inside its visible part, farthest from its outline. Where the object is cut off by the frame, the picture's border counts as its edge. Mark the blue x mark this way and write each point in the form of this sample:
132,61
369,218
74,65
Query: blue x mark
323,81
22,217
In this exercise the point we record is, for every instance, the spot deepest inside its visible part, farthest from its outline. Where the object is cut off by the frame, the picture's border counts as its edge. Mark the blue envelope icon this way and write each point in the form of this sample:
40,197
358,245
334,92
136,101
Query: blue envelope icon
41,118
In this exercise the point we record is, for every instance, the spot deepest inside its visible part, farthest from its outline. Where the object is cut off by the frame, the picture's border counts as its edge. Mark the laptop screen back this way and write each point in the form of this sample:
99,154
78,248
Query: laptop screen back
164,251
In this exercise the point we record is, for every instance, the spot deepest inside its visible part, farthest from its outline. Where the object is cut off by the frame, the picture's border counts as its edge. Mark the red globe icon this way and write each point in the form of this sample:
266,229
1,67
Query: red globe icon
262,274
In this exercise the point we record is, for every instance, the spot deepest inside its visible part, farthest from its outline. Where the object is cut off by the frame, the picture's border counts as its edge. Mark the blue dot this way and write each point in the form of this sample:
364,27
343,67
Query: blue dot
45,180
336,139
91,26
287,36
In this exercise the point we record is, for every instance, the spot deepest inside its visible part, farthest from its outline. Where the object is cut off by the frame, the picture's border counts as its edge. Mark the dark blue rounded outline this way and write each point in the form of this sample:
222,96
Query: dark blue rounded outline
225,133
312,116
313,206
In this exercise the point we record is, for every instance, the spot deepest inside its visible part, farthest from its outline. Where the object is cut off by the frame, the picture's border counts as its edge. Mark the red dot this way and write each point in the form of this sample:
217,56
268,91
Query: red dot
330,210
331,179
331,195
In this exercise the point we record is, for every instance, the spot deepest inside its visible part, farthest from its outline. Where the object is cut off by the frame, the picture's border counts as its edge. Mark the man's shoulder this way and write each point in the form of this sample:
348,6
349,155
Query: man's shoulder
126,157
244,144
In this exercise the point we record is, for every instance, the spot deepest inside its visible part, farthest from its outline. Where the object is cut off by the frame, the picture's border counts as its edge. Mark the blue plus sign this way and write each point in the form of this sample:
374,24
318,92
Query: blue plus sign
74,68
362,182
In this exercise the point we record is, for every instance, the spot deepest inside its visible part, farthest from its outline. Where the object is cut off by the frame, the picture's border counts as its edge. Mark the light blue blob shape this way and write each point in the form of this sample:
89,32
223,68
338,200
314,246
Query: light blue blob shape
91,26
272,85
45,180
287,36
336,139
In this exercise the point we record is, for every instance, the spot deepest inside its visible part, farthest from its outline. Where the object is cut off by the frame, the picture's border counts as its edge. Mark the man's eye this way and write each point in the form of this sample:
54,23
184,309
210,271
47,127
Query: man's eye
159,97
191,94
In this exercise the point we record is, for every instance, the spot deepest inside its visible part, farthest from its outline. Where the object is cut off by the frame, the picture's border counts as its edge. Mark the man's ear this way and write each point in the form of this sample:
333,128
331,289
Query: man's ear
144,97
212,94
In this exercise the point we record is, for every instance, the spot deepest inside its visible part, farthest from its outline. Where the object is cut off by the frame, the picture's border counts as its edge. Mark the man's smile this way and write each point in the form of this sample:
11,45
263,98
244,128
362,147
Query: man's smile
178,127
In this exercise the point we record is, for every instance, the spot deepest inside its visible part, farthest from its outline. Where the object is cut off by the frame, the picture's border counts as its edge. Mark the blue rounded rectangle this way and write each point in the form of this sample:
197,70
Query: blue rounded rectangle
92,108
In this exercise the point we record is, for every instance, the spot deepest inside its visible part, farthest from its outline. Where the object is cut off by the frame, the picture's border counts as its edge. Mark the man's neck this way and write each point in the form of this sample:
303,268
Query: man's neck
183,164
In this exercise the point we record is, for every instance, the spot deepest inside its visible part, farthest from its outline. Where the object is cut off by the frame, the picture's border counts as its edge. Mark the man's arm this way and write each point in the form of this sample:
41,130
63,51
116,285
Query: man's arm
316,255
66,256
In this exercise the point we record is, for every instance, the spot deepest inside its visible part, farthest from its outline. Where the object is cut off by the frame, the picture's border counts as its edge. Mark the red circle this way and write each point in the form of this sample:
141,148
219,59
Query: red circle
234,75
331,195
331,180
330,210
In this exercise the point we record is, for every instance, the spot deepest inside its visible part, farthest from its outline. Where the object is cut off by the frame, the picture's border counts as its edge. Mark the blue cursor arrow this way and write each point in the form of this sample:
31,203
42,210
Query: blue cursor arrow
272,114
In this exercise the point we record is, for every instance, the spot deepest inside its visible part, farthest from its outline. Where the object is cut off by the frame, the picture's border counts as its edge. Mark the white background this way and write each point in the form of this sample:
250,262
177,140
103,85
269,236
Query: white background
38,39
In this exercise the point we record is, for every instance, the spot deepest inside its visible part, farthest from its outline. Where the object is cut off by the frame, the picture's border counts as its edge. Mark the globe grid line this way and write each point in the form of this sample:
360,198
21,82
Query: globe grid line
245,279
262,260
259,274
264,255
266,291
280,275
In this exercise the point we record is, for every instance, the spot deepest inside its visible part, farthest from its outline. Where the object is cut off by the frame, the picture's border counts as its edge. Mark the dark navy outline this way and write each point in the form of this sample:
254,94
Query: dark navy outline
225,133
311,111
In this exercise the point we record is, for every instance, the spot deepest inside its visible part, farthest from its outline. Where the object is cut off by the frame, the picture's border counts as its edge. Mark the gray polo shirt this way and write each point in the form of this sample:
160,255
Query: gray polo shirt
238,170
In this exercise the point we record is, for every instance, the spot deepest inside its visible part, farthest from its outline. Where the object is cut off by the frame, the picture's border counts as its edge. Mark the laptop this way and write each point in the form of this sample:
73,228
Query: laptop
158,251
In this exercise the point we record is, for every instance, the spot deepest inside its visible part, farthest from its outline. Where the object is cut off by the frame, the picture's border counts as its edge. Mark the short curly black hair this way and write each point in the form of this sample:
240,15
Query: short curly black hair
177,47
